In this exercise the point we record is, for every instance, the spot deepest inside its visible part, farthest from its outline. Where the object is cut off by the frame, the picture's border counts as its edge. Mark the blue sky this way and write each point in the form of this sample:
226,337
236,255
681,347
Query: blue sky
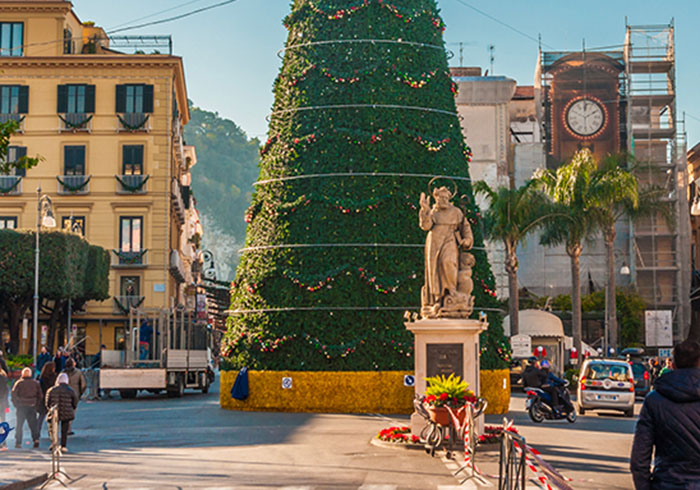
230,53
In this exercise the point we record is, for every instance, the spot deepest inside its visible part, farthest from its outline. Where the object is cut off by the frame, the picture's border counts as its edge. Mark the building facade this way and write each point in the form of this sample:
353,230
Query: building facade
108,127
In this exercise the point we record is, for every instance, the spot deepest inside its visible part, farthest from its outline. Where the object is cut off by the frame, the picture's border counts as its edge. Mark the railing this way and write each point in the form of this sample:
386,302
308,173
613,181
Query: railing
131,184
10,185
133,121
123,304
125,260
511,462
178,202
76,121
73,184
177,268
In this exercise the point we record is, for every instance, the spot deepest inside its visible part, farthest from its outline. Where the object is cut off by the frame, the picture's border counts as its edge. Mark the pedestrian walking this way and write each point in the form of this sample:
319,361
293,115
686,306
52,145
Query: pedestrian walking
43,358
60,360
76,380
47,379
667,367
669,425
3,364
65,399
26,397
4,401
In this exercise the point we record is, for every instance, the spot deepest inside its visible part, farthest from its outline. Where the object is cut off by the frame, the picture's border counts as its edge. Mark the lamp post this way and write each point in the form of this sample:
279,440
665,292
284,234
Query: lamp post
44,216
624,271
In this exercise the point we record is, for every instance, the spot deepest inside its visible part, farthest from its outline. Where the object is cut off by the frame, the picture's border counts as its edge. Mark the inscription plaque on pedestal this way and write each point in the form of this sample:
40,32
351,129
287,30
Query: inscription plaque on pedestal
445,359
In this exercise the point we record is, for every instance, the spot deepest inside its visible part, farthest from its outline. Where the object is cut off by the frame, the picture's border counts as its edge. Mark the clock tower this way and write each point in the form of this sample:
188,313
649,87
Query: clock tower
584,105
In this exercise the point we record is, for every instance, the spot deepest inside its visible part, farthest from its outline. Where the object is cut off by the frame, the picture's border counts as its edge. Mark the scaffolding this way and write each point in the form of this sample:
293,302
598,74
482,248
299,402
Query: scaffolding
660,249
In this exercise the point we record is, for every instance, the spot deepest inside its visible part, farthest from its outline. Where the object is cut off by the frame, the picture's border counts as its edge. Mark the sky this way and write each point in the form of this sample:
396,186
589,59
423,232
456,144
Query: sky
231,60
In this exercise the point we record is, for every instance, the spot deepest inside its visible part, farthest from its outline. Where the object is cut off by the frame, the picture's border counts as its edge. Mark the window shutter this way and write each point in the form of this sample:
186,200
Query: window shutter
138,154
90,99
62,99
20,152
23,99
148,98
121,99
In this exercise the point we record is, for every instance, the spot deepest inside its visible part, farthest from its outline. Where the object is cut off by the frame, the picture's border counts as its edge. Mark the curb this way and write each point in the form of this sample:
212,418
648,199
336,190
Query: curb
24,484
392,445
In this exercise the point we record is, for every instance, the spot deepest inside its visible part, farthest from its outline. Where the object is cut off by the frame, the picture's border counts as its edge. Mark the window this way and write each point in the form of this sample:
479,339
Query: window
76,99
8,222
11,38
132,160
14,99
14,153
74,160
130,233
67,41
134,98
74,223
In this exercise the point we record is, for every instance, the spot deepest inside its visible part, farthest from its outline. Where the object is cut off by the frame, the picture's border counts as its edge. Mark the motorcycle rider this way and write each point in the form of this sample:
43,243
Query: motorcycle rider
552,385
532,375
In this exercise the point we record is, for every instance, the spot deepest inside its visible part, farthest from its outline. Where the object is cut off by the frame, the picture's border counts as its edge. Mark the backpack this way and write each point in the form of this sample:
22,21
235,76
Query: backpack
240,386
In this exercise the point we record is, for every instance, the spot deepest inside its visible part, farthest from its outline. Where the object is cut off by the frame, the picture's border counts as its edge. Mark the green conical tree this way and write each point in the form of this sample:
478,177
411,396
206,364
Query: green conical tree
364,116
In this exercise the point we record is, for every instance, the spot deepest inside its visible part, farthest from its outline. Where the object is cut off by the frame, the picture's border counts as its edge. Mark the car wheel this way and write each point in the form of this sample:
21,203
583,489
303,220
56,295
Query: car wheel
581,410
127,394
629,413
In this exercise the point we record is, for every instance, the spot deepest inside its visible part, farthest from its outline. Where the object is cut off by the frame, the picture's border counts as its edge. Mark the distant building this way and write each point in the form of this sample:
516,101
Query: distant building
109,127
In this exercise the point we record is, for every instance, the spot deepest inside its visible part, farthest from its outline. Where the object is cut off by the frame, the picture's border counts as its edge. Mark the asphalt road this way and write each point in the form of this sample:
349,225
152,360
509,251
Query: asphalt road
156,442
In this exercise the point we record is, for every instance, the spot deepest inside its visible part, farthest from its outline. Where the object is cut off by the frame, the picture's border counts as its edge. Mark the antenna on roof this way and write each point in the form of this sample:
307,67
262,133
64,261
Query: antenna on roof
492,57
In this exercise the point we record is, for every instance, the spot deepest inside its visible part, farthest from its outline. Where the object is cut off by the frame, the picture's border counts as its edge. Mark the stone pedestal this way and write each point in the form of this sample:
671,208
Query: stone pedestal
445,346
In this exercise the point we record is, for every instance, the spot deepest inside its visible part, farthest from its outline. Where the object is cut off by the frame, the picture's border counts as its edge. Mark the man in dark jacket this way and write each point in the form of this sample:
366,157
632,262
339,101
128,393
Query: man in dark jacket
533,376
670,424
66,400
26,396
43,358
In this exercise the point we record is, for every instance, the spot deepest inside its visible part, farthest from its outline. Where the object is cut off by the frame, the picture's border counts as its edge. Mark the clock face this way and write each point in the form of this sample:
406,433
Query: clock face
585,117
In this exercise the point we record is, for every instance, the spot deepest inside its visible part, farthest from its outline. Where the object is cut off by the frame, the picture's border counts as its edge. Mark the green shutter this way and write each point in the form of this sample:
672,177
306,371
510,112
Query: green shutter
148,98
23,99
121,99
90,99
62,99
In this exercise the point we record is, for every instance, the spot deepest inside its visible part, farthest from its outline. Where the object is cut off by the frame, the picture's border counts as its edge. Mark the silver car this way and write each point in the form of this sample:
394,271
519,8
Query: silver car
606,384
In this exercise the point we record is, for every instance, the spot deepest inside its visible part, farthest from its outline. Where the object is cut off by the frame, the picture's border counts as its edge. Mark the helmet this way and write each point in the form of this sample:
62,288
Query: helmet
545,364
532,360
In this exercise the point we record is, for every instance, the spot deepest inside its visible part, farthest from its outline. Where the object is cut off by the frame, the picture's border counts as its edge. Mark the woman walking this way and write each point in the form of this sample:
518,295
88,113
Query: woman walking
65,399
47,379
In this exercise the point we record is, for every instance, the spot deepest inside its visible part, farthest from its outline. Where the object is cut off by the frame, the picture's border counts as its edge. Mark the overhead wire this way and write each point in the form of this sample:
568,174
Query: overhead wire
169,9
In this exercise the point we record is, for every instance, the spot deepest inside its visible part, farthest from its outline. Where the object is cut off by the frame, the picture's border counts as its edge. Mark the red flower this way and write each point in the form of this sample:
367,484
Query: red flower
443,397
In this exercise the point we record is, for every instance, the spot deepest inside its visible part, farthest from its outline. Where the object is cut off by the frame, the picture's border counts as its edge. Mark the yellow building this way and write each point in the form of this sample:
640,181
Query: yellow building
109,128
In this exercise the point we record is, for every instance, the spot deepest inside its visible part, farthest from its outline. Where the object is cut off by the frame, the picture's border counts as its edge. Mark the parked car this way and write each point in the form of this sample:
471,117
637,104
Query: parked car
642,378
606,384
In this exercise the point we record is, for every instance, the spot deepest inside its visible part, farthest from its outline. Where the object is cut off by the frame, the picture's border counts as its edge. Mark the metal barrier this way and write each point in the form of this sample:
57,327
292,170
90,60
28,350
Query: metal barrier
53,426
511,462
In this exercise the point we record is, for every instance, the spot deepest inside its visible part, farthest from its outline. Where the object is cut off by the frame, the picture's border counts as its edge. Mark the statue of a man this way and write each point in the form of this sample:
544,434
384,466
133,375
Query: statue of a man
448,230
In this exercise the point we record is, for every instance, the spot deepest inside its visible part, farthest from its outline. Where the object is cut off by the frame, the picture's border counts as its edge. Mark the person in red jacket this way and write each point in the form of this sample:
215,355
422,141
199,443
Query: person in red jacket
669,425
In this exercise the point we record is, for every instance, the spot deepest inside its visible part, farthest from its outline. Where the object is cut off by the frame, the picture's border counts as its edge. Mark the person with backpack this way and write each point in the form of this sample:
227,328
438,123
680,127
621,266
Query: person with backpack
65,399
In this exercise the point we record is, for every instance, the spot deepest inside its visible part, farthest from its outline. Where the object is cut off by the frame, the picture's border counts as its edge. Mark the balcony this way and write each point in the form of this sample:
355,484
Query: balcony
76,121
177,268
129,260
73,184
10,185
131,184
18,118
123,304
177,201
134,122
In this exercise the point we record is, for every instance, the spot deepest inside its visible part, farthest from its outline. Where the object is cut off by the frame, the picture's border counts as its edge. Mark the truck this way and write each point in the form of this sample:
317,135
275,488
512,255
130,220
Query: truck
164,349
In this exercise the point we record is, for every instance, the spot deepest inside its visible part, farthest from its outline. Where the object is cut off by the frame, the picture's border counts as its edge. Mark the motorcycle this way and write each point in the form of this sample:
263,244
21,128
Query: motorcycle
539,405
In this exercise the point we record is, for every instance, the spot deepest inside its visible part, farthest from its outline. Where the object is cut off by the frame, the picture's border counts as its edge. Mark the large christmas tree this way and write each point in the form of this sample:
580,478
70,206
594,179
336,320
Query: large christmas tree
364,116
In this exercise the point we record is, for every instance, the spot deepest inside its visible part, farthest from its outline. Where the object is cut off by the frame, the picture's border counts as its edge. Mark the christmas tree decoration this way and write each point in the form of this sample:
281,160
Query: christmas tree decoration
364,117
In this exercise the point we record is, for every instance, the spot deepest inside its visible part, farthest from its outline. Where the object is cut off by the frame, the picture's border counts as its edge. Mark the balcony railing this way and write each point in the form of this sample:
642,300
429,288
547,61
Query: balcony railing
177,268
76,121
123,304
73,184
131,184
19,118
178,202
133,121
129,259
10,185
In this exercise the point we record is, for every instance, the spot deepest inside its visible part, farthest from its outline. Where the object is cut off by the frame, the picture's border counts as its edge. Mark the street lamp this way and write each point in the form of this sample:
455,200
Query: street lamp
624,271
44,217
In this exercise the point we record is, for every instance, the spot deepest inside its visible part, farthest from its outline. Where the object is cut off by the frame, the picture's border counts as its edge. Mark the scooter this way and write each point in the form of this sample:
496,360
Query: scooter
539,405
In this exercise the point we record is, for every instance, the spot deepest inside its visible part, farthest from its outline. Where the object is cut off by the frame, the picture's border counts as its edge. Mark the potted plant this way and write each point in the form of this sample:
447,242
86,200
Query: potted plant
443,392
15,364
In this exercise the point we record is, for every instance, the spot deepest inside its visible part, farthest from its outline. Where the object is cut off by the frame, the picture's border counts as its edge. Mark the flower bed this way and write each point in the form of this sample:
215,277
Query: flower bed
493,433
398,435
322,391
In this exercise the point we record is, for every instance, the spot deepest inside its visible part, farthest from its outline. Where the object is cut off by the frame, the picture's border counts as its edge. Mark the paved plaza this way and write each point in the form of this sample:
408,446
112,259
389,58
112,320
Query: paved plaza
156,442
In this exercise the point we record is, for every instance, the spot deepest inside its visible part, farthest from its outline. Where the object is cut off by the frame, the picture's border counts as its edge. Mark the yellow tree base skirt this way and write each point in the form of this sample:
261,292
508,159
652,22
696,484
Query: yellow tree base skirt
495,387
322,391
344,392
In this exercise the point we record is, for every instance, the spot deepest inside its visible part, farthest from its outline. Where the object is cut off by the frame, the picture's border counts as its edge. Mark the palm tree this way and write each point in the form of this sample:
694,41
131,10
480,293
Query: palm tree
511,215
569,187
615,195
